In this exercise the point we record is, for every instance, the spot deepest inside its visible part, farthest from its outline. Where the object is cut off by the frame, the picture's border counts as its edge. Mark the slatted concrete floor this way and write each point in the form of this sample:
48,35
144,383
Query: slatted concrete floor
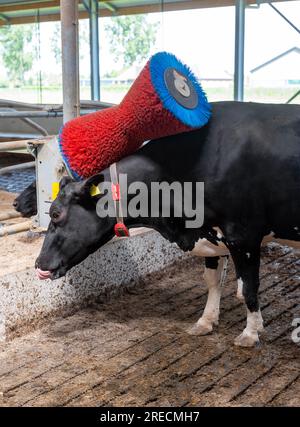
134,350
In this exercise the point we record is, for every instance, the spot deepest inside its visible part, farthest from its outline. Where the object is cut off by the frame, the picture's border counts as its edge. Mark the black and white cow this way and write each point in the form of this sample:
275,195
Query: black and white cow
248,156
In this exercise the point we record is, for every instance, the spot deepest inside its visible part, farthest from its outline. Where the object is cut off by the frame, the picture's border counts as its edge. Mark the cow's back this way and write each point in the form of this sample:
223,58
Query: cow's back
248,156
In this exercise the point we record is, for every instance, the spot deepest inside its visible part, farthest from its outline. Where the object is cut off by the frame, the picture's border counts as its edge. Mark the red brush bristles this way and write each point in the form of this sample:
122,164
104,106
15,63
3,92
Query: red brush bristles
93,142
165,99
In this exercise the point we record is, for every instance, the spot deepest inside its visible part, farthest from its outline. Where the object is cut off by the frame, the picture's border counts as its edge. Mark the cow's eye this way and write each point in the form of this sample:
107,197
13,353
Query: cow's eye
55,216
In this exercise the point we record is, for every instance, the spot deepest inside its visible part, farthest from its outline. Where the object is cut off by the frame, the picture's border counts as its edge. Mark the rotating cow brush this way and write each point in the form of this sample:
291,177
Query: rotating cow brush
165,99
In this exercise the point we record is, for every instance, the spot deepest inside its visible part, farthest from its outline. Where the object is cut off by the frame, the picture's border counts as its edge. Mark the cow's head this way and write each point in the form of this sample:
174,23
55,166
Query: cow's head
75,230
26,202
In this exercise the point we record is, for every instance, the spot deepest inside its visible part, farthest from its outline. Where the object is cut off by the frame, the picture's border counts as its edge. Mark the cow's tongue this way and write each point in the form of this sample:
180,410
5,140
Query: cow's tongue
43,275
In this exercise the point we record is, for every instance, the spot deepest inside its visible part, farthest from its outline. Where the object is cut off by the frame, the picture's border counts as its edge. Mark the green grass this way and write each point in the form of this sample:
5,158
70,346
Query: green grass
115,93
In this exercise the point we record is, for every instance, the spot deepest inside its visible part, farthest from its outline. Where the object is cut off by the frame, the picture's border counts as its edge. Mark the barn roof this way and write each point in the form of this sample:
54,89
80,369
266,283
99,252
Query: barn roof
276,58
20,11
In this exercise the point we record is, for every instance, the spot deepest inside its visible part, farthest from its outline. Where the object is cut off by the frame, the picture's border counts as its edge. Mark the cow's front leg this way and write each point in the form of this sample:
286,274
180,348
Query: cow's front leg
214,268
247,261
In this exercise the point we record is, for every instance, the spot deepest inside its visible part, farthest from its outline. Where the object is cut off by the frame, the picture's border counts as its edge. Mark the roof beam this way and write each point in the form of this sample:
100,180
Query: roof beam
287,52
125,10
86,4
42,18
109,6
29,6
4,18
284,17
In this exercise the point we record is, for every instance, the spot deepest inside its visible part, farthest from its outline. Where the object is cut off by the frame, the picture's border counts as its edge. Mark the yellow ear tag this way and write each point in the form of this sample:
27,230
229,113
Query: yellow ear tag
55,190
94,190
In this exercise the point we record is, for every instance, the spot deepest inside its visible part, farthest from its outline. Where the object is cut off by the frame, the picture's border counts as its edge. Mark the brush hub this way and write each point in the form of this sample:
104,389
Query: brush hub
181,88
165,99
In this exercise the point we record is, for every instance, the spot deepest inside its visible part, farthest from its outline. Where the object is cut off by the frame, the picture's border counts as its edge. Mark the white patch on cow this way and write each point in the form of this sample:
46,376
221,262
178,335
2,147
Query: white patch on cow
239,293
220,235
211,312
204,248
249,337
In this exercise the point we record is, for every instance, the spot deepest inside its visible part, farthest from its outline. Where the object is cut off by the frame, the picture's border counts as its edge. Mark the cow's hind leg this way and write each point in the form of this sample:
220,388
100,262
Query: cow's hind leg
247,261
214,269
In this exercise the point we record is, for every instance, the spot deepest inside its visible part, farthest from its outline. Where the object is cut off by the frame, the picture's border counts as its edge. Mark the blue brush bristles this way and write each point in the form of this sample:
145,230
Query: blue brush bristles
71,173
195,117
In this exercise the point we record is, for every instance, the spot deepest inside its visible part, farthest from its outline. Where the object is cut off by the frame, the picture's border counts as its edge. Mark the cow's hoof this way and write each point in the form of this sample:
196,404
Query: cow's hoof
200,329
246,340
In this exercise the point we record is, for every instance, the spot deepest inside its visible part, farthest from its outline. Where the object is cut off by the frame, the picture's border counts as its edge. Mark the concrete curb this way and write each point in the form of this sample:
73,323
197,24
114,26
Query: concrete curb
122,262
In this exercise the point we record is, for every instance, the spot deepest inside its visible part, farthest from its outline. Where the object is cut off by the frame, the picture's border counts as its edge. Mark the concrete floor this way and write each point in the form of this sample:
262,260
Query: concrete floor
134,350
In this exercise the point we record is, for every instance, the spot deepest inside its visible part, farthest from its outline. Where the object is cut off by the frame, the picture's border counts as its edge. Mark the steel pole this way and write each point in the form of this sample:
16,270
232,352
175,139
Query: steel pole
20,166
239,50
9,215
25,114
94,49
44,114
15,228
70,58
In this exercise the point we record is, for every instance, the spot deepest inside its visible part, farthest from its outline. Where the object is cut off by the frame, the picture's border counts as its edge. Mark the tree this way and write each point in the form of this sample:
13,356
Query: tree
131,38
56,40
16,58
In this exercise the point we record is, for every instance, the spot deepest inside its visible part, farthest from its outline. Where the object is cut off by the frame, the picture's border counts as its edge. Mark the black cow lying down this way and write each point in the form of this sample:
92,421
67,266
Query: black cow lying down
26,203
248,157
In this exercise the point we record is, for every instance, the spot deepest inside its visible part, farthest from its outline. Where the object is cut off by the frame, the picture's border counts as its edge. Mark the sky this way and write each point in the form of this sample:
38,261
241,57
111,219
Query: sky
202,38
206,36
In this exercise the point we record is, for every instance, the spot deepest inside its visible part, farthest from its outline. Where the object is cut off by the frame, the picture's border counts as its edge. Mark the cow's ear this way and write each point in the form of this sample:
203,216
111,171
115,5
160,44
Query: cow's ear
64,181
88,186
